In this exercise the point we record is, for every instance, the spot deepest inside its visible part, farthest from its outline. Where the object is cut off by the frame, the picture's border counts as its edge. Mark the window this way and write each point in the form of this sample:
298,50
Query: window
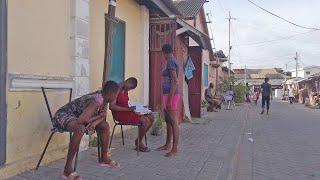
205,75
308,73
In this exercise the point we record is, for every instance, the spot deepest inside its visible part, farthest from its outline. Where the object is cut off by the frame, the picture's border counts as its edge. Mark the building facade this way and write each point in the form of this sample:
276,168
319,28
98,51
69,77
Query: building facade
60,44
306,72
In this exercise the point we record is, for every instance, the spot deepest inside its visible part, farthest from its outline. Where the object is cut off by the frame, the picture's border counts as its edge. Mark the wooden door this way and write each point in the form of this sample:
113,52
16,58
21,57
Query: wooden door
195,83
162,31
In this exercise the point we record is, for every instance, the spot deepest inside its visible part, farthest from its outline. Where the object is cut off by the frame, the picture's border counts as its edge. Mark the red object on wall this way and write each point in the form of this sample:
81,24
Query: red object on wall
163,31
195,83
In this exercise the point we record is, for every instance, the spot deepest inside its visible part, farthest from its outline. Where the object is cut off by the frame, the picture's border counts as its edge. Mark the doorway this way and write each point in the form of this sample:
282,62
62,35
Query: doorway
195,83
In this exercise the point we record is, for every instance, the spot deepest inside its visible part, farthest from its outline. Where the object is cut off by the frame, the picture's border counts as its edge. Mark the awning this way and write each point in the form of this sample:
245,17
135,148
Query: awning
202,39
167,7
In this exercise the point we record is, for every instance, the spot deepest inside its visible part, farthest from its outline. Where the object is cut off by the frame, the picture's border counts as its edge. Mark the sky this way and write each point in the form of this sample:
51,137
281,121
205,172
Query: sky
260,40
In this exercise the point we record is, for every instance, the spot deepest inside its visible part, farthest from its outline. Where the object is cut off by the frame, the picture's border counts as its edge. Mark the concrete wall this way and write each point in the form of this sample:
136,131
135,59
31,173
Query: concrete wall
38,44
60,44
136,20
205,60
306,72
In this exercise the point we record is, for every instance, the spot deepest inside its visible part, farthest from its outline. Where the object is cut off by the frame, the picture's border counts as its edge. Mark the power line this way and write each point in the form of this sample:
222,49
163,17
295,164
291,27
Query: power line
224,11
211,31
304,27
275,40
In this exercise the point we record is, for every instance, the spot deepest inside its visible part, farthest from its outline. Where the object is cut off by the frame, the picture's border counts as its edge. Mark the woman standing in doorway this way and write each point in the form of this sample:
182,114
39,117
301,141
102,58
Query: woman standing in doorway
170,100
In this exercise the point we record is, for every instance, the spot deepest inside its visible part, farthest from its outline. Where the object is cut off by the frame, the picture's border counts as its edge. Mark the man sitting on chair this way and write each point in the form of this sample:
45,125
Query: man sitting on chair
124,114
213,102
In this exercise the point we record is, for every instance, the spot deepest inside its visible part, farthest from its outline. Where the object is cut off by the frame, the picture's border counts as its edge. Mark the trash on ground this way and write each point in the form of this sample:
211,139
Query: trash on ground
250,139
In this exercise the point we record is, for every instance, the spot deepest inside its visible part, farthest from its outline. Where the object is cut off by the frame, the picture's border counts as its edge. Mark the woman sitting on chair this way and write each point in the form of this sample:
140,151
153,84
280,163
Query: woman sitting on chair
124,114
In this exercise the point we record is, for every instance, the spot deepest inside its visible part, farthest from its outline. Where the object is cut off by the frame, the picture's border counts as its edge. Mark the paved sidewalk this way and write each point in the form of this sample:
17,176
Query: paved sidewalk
206,152
286,144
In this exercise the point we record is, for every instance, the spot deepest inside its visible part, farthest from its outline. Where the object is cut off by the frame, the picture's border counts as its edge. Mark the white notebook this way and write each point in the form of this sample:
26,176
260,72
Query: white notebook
140,109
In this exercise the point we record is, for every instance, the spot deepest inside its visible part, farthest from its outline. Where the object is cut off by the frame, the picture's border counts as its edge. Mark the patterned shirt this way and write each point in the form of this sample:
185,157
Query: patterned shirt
77,106
172,64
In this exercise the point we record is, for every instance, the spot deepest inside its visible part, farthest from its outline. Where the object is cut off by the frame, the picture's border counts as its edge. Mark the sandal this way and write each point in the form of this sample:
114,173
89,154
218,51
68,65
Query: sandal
72,176
112,164
143,149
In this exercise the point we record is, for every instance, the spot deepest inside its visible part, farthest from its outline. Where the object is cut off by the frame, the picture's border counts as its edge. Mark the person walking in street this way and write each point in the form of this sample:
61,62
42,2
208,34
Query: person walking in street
291,95
248,90
212,100
266,91
170,99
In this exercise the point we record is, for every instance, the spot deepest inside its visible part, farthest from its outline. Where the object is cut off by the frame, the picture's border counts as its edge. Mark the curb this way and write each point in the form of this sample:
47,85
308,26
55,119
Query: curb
235,160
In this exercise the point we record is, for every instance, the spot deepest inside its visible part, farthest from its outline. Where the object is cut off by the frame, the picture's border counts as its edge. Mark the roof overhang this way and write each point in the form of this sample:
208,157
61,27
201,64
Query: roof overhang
202,39
166,6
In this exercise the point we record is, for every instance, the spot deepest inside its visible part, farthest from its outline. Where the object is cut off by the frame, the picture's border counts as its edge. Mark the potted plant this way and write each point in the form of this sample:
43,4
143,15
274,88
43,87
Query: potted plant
158,124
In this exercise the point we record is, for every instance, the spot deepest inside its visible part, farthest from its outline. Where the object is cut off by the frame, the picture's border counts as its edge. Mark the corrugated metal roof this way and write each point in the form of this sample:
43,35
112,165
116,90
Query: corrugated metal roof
189,8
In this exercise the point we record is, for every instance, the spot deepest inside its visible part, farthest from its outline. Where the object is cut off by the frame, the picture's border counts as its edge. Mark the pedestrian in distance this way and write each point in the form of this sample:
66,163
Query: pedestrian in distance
266,92
291,95
248,90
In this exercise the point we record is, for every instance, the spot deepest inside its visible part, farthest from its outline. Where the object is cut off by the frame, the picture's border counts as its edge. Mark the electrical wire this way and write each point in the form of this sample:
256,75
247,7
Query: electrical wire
224,11
300,26
274,40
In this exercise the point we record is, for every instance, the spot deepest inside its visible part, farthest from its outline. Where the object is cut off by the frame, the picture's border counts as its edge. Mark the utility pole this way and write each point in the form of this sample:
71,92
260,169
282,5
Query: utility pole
229,48
296,58
286,73
110,20
3,79
211,31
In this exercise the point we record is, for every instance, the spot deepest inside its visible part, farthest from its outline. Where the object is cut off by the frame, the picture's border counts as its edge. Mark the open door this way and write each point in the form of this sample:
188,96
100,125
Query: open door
195,83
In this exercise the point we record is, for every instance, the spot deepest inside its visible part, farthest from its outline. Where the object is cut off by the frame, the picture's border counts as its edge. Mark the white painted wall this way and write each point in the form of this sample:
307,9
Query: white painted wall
306,72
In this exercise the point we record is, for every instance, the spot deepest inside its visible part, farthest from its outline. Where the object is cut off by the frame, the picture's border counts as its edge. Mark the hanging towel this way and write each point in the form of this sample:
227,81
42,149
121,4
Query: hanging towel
188,69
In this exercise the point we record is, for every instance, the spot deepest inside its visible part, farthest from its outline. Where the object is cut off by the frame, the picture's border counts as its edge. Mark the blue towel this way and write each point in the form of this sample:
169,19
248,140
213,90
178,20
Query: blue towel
189,68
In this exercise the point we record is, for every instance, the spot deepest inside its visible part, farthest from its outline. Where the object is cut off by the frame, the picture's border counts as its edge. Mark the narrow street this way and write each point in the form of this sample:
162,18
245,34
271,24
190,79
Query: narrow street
285,147
285,144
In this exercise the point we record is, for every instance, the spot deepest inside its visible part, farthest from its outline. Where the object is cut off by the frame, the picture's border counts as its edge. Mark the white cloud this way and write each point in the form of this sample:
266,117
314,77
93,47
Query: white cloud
253,25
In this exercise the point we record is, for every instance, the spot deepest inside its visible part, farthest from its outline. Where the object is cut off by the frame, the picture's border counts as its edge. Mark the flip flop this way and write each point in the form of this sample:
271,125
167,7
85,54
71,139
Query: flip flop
144,149
170,154
71,176
112,164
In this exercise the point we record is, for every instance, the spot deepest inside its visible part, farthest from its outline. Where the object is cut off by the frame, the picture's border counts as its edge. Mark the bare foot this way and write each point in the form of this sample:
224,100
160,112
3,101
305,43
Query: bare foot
164,148
107,162
172,153
141,144
67,173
